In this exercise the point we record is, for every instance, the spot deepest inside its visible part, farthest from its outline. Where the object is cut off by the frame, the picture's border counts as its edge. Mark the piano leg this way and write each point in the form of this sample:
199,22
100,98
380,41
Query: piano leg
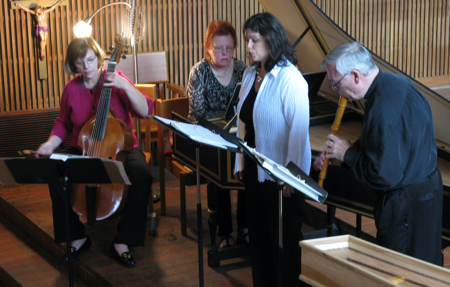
332,229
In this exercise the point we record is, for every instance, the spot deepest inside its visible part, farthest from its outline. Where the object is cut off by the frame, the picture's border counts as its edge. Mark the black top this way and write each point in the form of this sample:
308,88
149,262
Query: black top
397,146
208,98
246,116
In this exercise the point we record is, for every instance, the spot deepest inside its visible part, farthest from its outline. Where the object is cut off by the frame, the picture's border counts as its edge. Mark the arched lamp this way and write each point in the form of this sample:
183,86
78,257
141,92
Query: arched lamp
84,29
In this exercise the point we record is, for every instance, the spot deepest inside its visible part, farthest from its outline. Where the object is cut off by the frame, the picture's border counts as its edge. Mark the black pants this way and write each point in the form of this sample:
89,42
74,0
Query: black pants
131,228
224,220
262,207
408,220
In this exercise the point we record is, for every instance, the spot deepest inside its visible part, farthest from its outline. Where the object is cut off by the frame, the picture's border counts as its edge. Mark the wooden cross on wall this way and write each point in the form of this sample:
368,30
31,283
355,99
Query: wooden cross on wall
39,8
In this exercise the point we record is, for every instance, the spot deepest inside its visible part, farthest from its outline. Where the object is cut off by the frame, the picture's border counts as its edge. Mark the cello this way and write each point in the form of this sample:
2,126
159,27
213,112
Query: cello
103,136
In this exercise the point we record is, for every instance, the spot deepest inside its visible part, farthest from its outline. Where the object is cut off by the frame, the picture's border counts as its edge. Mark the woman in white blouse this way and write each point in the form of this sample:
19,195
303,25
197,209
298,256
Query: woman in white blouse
273,116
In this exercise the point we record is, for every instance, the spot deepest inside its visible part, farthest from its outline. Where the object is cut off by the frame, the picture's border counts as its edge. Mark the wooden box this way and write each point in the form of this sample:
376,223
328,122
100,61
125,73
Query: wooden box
350,261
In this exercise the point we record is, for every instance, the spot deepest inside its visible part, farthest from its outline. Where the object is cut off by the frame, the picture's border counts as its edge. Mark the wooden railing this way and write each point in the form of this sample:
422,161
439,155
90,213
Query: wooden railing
413,36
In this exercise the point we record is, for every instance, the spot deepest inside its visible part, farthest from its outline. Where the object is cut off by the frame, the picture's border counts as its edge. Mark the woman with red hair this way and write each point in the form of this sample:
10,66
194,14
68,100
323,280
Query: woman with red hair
211,85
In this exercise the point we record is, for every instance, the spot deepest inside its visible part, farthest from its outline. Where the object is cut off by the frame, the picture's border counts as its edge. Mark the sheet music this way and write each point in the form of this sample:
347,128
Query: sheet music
64,157
285,175
198,133
113,166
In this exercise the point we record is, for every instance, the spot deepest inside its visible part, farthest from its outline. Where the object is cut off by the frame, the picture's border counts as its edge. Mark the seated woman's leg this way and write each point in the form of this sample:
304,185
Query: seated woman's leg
131,229
76,227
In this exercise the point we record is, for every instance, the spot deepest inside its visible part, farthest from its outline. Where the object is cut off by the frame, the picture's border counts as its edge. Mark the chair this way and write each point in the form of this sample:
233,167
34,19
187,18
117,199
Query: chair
148,127
164,109
186,176
153,69
148,130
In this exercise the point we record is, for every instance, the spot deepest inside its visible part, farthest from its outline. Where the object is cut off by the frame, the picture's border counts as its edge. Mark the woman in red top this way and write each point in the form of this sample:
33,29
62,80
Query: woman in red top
79,103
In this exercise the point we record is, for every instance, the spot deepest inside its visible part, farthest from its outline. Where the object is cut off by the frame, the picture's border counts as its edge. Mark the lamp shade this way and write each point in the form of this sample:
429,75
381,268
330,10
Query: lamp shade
82,29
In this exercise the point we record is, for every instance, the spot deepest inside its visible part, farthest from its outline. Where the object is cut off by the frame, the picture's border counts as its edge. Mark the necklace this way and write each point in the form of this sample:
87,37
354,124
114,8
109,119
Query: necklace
258,78
214,72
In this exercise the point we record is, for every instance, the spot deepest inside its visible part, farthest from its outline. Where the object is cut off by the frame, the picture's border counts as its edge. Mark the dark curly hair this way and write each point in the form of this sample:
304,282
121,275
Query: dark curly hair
277,41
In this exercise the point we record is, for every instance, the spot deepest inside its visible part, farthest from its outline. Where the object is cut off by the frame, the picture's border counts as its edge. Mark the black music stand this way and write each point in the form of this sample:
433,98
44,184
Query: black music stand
205,133
64,172
291,175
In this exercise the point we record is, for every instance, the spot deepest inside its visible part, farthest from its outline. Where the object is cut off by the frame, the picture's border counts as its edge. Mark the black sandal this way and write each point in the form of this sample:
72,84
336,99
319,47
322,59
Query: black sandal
226,241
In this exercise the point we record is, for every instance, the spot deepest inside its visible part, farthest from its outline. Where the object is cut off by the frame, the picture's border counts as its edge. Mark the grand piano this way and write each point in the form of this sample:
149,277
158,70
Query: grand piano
314,35
216,165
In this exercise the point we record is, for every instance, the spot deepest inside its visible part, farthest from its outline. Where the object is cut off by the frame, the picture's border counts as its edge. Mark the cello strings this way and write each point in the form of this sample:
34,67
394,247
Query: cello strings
94,145
101,117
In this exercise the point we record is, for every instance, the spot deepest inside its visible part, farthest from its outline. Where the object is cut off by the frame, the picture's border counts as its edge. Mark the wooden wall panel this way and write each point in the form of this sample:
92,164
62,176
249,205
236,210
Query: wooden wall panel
411,35
176,26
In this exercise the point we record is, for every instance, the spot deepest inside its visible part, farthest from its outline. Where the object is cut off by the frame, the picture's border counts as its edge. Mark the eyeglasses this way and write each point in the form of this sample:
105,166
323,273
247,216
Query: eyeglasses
335,86
88,62
221,49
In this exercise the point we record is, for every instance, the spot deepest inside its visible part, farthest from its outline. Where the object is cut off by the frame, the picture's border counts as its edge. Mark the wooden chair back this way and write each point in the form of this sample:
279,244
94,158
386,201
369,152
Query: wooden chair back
152,68
164,108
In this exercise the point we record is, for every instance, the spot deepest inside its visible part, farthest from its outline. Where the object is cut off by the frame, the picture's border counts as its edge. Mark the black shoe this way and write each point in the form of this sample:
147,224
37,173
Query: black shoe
242,238
126,258
76,252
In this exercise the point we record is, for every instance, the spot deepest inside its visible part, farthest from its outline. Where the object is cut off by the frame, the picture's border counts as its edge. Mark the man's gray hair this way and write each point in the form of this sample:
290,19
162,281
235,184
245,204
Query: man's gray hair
348,57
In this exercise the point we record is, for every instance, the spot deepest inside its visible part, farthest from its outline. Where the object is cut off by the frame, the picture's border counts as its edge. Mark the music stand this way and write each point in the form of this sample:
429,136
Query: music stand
205,133
73,170
291,175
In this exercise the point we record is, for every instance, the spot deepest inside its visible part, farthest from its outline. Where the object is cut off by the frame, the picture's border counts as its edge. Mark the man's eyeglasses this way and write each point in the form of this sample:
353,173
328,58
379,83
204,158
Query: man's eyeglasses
221,49
335,85
89,61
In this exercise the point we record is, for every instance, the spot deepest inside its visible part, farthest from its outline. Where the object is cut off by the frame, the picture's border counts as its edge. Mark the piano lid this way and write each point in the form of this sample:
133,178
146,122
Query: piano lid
323,36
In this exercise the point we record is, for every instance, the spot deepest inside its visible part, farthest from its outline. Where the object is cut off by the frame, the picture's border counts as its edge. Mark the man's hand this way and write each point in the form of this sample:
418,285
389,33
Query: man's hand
336,147
318,163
